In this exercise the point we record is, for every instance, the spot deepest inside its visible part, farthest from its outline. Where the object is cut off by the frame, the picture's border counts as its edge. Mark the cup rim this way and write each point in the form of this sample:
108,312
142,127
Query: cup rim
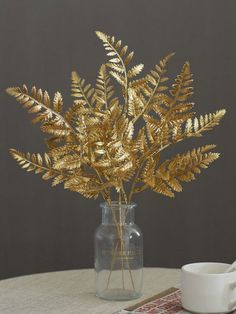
185,269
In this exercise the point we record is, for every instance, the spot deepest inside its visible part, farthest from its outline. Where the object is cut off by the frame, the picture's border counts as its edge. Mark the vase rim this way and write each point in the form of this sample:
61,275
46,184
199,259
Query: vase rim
116,204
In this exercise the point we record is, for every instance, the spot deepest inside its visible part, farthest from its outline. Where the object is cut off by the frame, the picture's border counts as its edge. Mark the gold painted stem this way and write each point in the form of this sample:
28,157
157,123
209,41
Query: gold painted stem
121,242
112,265
119,227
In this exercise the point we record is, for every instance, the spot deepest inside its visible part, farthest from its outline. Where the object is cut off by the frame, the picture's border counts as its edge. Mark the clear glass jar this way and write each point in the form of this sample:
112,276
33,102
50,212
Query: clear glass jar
118,253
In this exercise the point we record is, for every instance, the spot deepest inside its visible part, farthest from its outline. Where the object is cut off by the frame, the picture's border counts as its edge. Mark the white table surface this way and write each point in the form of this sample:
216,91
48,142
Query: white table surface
72,292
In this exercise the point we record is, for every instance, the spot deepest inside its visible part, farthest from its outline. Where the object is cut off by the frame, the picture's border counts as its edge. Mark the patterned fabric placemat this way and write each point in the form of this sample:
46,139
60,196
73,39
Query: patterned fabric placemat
166,302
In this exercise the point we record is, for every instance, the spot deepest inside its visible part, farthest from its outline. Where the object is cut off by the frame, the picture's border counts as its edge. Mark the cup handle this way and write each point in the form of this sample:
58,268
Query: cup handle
232,304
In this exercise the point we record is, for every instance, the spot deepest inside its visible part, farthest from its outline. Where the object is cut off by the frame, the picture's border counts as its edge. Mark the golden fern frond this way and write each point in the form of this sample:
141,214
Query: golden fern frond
158,137
102,164
119,55
196,126
55,129
57,153
138,143
182,167
175,117
39,102
88,186
121,155
151,135
182,89
161,135
104,90
119,58
34,162
83,93
157,132
136,102
92,121
149,168
156,77
161,187
180,113
183,107
139,84
154,85
169,113
115,111
137,69
85,190
115,67
58,179
129,131
126,172
119,78
175,110
176,133
72,113
142,140
78,111
88,190
181,123
57,102
68,162
153,123
149,178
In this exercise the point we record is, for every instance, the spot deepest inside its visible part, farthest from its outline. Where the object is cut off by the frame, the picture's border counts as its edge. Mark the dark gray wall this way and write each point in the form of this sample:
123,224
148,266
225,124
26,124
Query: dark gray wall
45,229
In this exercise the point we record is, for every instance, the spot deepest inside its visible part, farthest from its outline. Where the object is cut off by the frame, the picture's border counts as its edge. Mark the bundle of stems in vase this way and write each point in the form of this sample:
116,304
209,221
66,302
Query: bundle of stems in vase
104,141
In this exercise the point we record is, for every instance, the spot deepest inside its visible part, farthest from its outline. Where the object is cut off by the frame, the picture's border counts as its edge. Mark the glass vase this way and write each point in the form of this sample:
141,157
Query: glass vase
118,253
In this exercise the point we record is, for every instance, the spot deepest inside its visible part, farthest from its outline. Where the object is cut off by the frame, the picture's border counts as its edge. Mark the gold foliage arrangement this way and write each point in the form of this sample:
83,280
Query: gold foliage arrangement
102,141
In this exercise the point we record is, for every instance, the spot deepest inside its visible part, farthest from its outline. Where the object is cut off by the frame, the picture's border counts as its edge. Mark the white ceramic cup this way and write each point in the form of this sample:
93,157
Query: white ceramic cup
206,288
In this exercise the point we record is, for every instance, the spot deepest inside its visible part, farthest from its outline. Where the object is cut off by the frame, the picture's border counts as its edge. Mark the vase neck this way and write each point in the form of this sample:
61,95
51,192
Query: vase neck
116,213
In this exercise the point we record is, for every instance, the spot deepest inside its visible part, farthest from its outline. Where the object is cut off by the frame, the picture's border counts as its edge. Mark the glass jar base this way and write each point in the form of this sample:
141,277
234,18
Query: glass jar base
119,295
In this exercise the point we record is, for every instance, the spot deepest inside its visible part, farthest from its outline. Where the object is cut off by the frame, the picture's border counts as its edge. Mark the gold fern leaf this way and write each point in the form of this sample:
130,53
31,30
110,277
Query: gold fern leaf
34,162
57,102
153,84
58,180
137,69
162,188
82,92
119,58
104,91
174,110
55,129
136,102
72,113
149,169
68,162
196,126
119,78
38,102
88,186
182,167
114,49
181,89
57,153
